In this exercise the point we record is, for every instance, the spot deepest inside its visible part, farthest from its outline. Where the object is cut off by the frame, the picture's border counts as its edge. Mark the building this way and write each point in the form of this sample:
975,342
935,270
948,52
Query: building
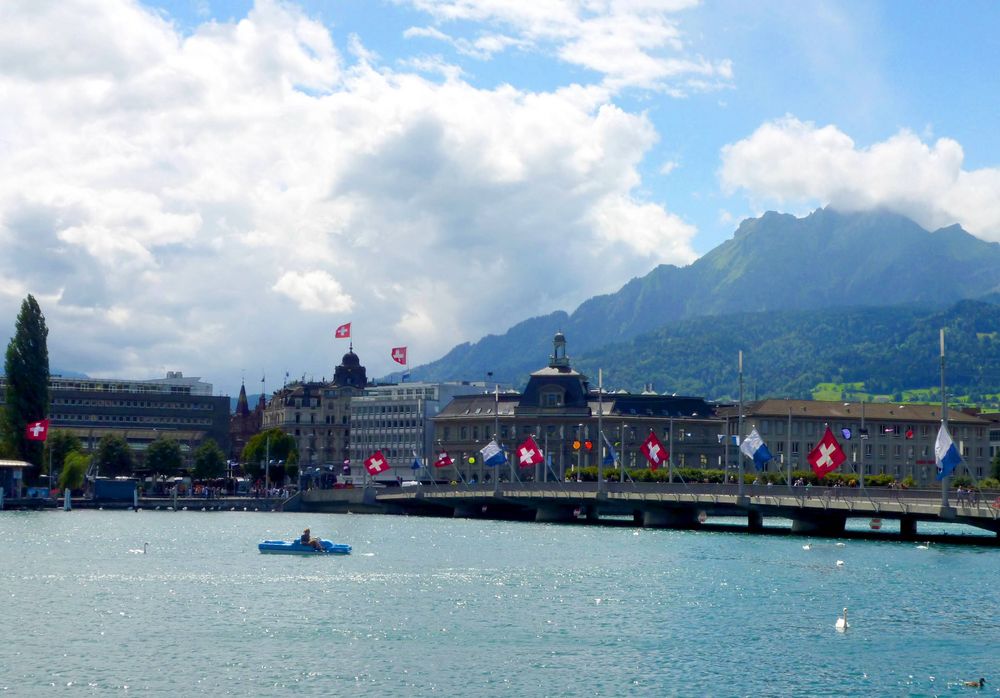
559,408
880,438
139,411
397,420
244,424
317,413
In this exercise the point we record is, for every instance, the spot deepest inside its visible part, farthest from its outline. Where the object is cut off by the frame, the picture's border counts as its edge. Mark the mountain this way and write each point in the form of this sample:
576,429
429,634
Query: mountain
777,262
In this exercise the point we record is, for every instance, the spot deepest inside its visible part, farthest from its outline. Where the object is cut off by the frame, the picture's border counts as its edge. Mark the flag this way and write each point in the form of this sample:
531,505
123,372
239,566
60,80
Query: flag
376,463
909,433
945,453
529,454
755,448
863,433
443,461
827,455
416,465
610,457
399,355
492,454
37,431
654,451
734,439
343,332
847,433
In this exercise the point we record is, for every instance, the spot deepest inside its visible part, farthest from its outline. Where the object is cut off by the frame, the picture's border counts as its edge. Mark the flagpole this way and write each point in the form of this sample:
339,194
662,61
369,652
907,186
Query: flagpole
600,432
670,453
861,446
739,437
944,423
496,435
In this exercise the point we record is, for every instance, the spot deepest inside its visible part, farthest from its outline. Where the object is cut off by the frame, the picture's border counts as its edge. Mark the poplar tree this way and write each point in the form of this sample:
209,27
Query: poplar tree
27,368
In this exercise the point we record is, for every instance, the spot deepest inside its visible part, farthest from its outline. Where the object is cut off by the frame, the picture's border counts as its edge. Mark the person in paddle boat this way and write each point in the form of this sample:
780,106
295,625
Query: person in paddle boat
975,684
307,539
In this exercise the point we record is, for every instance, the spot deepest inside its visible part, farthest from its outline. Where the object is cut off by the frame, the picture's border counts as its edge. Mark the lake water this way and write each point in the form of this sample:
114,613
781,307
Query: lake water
456,607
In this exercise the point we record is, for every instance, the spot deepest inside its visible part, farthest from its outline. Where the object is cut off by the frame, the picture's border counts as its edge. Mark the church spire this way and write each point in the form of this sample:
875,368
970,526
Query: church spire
242,406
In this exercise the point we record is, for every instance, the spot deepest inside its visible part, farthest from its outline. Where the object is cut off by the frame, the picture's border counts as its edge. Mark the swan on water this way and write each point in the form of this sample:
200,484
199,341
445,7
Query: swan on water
136,551
842,623
807,547
840,563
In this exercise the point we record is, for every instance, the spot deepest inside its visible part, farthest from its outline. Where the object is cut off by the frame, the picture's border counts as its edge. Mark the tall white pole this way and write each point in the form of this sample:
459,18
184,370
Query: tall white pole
944,422
861,446
600,431
670,452
739,437
496,435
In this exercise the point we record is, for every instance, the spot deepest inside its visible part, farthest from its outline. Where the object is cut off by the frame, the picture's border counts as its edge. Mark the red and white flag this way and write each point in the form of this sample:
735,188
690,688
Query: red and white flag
37,431
654,451
827,455
343,332
399,355
444,460
376,463
529,454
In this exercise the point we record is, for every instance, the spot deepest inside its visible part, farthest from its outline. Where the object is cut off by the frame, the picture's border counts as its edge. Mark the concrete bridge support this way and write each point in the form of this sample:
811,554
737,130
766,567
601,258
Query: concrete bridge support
825,524
755,521
907,528
554,514
670,518
468,511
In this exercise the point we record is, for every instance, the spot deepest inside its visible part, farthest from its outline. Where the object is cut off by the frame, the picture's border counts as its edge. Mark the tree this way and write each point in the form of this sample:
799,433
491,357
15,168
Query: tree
114,457
60,444
209,461
995,468
74,470
163,457
27,367
275,444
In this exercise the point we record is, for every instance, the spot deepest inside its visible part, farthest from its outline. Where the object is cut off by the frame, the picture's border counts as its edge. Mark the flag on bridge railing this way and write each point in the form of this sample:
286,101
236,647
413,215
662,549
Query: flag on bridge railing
946,454
493,455
827,455
755,448
610,457
654,451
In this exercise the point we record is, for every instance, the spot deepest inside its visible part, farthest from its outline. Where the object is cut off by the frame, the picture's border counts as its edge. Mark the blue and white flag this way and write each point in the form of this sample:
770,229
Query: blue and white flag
946,454
754,447
735,439
610,457
492,454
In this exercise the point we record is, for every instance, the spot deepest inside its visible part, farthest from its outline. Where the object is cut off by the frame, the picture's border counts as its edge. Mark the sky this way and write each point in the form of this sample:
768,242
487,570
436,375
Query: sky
213,186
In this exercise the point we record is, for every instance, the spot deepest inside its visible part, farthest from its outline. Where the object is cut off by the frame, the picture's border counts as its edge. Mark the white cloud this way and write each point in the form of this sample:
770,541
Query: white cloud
792,162
169,192
630,43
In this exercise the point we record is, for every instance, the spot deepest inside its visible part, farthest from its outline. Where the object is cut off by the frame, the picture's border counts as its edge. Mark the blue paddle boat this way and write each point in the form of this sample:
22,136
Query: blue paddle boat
295,547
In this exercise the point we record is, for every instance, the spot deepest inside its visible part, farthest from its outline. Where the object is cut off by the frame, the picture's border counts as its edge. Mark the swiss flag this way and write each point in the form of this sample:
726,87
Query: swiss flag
376,463
443,461
654,451
343,332
399,355
529,454
827,455
37,431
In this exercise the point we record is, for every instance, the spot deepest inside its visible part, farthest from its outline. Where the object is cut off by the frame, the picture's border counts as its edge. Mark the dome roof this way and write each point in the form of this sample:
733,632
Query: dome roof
350,360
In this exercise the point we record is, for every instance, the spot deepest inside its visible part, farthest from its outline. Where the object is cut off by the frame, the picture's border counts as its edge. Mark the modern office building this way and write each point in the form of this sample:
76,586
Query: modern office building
397,421
139,411
560,409
878,438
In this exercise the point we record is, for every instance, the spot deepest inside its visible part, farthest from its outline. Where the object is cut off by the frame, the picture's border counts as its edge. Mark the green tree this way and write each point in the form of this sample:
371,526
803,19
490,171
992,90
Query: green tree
74,470
273,443
164,457
114,457
209,461
27,367
60,444
995,468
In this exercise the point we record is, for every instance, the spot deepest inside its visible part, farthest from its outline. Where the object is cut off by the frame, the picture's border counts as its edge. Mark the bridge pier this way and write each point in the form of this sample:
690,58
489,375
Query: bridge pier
554,514
907,528
824,525
755,520
670,518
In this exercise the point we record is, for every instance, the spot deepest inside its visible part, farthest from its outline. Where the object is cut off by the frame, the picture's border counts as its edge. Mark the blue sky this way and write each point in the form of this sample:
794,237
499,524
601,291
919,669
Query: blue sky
213,186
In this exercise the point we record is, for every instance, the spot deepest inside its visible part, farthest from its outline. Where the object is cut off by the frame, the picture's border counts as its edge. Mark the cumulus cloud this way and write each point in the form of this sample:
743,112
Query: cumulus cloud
194,200
792,162
631,44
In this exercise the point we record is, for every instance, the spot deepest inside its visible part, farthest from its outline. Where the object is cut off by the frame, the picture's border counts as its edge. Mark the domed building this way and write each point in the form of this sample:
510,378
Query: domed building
317,413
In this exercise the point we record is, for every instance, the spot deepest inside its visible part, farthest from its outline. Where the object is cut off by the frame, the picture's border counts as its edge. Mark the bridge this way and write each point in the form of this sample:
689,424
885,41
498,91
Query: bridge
812,510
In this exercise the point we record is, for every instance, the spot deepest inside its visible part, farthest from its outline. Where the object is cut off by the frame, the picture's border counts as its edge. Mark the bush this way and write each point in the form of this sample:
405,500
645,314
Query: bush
989,483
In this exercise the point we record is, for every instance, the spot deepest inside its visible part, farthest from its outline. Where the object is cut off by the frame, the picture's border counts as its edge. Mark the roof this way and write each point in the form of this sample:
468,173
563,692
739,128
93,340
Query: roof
885,411
479,405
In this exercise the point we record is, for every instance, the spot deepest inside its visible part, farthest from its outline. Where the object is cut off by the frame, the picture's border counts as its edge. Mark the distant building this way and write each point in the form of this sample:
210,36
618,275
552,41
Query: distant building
139,411
882,438
317,413
560,408
244,424
397,420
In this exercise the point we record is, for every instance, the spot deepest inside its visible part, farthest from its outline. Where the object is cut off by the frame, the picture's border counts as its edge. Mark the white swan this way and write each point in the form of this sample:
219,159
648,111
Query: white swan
842,623
840,563
806,547
136,551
